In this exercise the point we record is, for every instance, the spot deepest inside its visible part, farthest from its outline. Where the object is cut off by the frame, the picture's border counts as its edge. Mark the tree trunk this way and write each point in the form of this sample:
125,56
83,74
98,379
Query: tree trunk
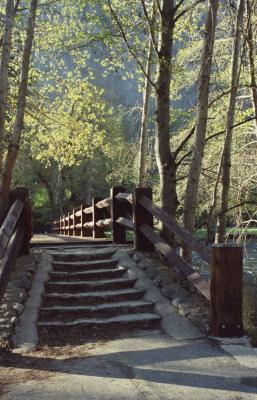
226,155
165,161
4,73
20,109
142,171
252,55
191,193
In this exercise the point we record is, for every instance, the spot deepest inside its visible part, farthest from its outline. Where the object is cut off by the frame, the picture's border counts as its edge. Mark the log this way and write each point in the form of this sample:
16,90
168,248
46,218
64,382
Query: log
89,225
226,290
183,234
177,262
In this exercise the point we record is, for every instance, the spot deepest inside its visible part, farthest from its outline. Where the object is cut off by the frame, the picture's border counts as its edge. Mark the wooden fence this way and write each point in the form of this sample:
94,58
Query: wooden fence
15,234
122,211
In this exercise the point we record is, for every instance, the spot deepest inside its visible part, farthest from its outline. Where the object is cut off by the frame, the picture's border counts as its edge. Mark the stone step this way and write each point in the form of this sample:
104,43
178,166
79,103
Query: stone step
67,266
89,286
66,313
142,320
88,274
91,298
83,256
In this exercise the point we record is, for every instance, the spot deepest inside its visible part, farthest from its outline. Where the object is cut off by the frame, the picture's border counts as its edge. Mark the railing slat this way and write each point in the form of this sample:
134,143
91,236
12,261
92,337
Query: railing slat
88,210
104,203
102,223
125,196
185,236
177,262
128,223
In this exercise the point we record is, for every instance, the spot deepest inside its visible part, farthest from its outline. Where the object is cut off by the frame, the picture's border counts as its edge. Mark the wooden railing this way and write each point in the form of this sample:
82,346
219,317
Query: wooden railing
15,234
122,211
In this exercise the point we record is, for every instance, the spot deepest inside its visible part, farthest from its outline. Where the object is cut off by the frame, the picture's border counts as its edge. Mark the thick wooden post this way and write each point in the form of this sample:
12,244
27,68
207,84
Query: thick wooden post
142,216
226,290
26,217
97,215
117,210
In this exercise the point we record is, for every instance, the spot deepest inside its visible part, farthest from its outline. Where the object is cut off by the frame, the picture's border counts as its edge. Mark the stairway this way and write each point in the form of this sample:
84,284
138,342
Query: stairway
89,295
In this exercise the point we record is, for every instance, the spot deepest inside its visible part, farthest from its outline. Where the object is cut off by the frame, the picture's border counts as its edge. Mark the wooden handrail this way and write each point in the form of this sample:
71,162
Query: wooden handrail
104,203
88,210
177,262
9,224
183,234
8,258
128,223
125,196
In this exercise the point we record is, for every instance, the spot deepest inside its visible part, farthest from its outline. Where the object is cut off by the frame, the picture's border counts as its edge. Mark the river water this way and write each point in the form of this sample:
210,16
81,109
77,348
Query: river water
249,278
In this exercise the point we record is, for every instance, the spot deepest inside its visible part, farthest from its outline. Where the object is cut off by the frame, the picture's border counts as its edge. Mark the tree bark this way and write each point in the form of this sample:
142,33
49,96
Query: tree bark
191,193
142,170
252,56
20,109
226,154
4,73
164,158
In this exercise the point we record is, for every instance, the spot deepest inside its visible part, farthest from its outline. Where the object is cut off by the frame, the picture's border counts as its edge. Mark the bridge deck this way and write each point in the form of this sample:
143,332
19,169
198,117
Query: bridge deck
48,239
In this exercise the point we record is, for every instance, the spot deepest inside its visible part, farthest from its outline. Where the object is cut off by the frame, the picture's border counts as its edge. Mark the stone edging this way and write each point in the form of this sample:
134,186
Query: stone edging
26,337
16,294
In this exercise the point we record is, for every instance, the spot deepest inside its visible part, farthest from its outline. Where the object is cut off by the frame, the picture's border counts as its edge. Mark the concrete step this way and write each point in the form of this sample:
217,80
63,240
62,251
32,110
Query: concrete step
68,266
83,256
142,320
88,274
66,313
97,297
89,286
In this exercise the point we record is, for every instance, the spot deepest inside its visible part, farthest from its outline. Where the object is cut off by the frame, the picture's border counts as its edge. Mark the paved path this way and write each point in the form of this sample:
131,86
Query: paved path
142,366
148,366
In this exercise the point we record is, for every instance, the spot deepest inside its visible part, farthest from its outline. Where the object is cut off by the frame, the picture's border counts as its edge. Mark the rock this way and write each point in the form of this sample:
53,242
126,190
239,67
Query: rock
169,292
179,299
137,257
25,283
144,264
151,272
162,279
184,309
14,320
23,296
19,308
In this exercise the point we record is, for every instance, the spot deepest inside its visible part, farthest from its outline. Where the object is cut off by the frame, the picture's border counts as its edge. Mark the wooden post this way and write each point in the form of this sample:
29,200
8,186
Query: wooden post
117,210
85,232
26,217
226,290
60,226
142,216
97,215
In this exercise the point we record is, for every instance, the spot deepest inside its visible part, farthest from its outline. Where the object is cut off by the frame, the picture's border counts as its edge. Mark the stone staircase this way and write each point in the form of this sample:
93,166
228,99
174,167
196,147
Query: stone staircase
91,293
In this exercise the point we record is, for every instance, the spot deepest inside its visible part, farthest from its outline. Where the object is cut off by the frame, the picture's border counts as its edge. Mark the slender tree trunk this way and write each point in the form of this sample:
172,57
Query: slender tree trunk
252,56
165,160
4,73
20,109
191,193
142,171
226,155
